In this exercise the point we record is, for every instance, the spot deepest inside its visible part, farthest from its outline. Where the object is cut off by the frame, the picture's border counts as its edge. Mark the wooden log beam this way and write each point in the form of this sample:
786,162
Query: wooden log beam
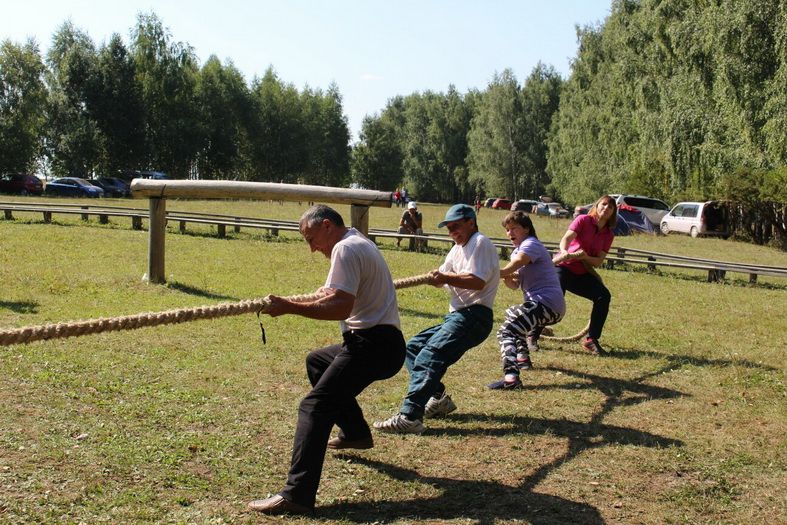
226,189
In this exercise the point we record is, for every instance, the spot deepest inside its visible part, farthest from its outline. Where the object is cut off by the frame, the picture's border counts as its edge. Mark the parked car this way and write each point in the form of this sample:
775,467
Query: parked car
551,209
21,184
128,175
654,209
697,218
524,205
488,202
501,204
582,209
72,187
112,186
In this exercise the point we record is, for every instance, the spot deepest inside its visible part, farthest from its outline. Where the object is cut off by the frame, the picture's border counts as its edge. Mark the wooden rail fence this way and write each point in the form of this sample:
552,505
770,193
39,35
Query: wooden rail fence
619,255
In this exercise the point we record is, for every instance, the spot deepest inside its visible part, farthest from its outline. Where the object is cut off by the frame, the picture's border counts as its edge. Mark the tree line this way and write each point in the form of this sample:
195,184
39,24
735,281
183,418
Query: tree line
85,110
677,99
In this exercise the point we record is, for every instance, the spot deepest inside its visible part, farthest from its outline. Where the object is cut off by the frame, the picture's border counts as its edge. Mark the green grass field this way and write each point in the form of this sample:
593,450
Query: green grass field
683,423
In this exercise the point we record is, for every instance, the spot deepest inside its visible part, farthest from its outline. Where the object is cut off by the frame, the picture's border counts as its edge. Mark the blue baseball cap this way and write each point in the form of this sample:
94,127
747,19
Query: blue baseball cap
457,212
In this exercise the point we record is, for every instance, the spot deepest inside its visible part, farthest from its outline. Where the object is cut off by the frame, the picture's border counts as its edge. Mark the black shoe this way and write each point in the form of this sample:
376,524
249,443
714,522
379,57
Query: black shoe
278,505
339,443
505,385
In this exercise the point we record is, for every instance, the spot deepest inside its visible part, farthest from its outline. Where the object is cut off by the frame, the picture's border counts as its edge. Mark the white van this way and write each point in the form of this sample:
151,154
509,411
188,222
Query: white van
697,218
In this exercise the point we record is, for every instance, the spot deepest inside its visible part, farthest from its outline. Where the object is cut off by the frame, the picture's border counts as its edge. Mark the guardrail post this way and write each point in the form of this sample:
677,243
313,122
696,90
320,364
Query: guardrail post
752,278
158,229
652,267
222,230
182,227
136,222
359,218
103,219
8,215
85,216
716,276
47,217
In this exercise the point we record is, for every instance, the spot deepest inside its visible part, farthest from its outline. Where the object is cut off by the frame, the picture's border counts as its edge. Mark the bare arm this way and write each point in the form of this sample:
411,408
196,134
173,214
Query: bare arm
458,280
334,305
517,261
588,260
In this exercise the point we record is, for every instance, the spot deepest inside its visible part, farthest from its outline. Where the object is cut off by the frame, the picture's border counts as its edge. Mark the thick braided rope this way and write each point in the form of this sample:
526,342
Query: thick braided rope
548,334
29,334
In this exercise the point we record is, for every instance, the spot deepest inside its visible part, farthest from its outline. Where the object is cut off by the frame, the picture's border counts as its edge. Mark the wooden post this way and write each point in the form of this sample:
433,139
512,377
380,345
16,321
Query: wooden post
85,216
222,230
359,218
651,267
8,215
159,190
158,226
752,278
136,222
47,217
103,219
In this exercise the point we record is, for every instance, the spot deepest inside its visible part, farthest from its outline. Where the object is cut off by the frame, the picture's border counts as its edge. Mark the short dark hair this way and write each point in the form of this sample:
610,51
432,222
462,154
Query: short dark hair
521,218
318,213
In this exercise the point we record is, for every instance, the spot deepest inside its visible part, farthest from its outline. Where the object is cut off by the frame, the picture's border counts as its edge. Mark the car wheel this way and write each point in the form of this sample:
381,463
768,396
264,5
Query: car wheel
664,228
694,232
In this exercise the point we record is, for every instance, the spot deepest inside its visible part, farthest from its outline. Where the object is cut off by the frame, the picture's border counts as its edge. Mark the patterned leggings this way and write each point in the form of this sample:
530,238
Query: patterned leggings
521,319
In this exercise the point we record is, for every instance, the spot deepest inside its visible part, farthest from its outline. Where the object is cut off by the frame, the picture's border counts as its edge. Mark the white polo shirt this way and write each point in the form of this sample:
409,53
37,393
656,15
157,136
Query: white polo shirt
358,268
478,257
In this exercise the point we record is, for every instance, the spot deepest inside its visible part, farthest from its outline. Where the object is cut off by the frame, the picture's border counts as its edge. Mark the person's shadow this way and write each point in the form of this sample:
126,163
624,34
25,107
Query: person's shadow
20,307
488,502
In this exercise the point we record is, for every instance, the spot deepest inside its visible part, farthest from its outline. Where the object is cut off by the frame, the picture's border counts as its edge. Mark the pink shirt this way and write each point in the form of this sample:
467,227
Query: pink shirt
589,239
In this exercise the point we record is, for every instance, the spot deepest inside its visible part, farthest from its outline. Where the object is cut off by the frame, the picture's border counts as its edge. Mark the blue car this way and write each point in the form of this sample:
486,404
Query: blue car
72,187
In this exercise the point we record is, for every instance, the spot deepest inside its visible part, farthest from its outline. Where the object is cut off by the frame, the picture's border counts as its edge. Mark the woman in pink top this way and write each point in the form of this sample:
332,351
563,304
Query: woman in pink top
593,234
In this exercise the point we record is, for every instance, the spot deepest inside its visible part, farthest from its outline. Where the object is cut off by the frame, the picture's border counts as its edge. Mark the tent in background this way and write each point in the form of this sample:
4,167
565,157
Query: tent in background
631,220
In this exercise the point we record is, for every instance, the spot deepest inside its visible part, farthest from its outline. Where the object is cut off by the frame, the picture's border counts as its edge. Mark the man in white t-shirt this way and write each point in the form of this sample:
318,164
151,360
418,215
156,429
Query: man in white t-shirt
359,293
471,274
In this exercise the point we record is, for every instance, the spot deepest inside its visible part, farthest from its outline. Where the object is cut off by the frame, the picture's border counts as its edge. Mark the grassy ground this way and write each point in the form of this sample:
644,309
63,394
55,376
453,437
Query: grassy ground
684,423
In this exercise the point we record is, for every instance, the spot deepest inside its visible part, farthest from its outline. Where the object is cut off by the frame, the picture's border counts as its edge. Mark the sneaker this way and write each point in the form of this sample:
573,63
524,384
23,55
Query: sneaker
439,406
523,362
592,346
532,344
399,424
505,385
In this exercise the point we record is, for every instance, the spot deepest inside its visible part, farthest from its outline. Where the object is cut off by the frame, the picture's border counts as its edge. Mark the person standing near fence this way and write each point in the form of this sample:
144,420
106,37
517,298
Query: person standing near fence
411,223
532,271
359,293
593,234
471,274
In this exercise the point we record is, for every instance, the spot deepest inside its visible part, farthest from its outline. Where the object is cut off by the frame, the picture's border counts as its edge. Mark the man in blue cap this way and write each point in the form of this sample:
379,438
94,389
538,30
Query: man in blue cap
470,273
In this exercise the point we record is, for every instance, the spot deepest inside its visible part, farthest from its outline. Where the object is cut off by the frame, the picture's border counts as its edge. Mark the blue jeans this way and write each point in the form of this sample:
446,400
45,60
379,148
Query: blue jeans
432,351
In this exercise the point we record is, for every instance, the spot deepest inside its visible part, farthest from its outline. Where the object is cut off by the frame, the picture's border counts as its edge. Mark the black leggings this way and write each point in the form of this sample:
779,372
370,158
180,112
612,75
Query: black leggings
589,287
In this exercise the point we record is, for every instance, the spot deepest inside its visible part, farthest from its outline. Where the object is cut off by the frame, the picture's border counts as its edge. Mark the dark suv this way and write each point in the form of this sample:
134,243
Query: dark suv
21,184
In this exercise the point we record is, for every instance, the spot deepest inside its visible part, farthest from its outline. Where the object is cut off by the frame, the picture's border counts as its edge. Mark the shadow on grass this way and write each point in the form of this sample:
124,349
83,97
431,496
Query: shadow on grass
484,502
419,314
20,307
488,502
191,290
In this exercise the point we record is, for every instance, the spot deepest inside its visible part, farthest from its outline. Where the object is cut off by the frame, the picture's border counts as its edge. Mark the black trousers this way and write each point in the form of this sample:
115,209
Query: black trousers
338,374
589,287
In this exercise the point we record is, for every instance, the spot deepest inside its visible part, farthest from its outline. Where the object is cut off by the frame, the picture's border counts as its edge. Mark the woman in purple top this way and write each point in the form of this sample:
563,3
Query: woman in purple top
593,234
532,271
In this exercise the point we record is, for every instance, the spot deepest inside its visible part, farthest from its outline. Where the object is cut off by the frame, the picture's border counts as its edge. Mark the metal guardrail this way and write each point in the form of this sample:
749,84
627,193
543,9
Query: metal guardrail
618,254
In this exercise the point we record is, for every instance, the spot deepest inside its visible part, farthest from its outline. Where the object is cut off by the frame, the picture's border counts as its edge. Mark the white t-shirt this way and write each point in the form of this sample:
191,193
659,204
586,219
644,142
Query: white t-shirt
478,257
358,268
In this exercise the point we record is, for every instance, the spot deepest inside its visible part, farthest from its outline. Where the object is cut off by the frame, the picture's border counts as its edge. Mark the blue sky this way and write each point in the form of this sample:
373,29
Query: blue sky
373,50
